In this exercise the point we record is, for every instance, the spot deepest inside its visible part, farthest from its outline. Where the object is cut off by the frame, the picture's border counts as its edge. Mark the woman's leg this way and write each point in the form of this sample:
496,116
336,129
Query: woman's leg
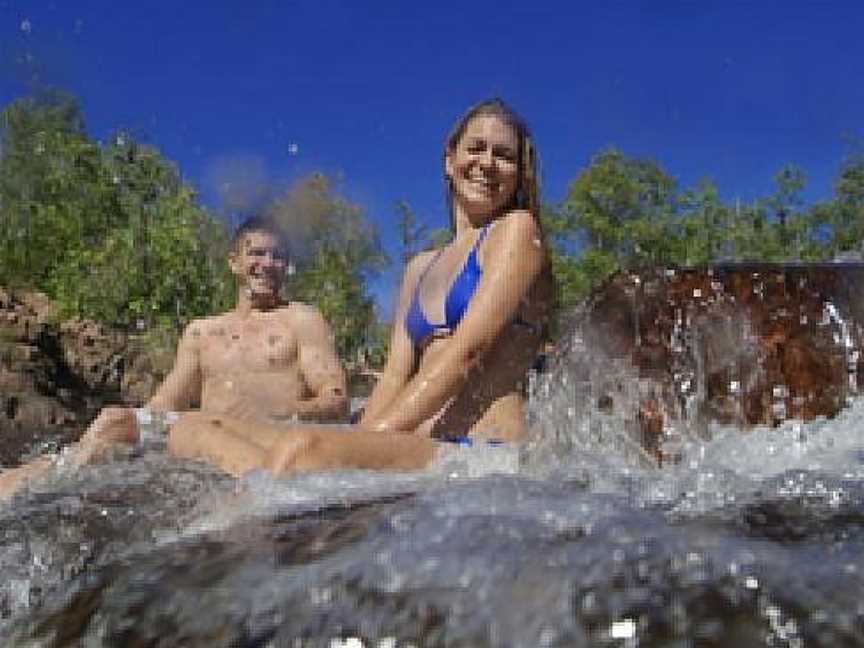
238,446
346,448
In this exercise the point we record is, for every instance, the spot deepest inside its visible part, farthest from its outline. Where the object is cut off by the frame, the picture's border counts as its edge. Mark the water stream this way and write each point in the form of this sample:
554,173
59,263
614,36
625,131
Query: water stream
754,536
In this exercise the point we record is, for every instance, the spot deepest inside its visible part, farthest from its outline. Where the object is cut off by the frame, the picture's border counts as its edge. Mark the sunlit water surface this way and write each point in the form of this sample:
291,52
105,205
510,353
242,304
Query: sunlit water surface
754,538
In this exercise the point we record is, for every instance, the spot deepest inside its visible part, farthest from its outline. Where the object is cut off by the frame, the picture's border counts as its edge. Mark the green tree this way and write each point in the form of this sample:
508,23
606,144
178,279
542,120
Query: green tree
49,189
161,257
336,251
110,231
413,234
846,218
619,212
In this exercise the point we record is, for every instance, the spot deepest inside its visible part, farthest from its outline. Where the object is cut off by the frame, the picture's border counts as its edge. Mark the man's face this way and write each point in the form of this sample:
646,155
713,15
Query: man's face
259,264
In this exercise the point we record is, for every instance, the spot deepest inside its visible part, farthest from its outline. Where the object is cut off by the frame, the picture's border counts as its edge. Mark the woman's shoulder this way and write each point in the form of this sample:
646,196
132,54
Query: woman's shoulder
516,230
516,221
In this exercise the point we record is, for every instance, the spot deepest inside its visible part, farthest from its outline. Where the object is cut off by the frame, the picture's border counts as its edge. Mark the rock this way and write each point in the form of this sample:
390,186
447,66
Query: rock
55,376
740,344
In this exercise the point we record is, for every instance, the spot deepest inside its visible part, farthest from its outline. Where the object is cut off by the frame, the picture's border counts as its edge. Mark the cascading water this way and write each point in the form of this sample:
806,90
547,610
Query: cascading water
751,533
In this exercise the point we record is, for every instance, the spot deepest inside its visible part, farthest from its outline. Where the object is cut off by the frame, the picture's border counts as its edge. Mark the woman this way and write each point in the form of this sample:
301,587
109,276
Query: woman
469,323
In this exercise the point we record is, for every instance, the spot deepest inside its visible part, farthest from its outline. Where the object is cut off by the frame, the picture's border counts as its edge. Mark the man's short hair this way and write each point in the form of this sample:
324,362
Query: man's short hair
260,224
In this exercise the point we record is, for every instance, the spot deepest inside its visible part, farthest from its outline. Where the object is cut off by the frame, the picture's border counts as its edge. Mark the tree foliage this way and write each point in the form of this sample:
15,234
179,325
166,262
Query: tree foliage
336,251
622,213
110,231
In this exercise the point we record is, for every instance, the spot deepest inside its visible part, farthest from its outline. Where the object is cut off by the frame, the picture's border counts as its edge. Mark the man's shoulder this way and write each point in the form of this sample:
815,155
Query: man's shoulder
299,310
207,325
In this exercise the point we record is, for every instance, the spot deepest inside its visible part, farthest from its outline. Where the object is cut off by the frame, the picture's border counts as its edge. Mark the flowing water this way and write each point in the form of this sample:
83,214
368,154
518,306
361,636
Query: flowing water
753,538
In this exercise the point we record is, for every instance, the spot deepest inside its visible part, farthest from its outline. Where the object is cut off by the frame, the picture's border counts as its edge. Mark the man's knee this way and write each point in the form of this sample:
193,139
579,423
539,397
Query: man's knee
299,450
184,438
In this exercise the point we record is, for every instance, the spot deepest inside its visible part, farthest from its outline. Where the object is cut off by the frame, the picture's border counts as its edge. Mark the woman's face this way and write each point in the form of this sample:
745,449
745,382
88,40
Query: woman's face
484,167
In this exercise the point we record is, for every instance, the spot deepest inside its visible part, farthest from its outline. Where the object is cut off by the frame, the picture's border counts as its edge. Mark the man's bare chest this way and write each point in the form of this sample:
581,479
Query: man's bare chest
256,346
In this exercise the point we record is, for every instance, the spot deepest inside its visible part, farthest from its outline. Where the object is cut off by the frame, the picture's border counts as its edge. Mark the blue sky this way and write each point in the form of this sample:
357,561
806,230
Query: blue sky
366,90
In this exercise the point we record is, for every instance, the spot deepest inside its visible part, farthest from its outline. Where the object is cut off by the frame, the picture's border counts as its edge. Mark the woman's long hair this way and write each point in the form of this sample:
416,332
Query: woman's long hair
527,191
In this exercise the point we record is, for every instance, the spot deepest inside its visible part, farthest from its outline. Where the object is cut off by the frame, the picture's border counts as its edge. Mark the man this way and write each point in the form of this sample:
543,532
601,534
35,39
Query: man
263,361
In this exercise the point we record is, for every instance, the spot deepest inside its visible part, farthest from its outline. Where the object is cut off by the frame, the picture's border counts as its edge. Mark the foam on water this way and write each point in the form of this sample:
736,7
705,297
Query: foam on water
753,538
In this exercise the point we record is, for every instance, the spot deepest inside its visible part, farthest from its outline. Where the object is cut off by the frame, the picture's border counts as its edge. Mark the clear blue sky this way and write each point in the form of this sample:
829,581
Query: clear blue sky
730,90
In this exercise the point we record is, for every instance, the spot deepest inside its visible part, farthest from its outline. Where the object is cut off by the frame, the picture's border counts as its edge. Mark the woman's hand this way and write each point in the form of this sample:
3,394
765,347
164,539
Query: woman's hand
381,424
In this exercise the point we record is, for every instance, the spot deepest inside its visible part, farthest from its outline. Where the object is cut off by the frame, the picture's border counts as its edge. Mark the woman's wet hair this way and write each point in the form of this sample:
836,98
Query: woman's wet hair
528,182
260,224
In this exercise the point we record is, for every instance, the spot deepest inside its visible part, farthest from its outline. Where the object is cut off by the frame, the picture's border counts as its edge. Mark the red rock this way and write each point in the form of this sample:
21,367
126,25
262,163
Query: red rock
743,344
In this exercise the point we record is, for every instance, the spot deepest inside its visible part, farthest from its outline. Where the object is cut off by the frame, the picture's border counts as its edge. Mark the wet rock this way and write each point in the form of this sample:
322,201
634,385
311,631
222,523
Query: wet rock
55,376
667,351
71,529
410,570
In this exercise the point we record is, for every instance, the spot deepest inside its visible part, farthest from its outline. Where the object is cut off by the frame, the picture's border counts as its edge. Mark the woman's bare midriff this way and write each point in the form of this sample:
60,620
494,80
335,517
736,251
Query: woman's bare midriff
491,405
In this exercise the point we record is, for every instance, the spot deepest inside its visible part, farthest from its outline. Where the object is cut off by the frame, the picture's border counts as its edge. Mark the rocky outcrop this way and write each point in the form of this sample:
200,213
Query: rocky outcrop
54,375
668,351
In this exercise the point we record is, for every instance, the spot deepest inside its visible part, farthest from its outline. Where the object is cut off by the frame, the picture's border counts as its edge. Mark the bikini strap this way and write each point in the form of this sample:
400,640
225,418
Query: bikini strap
483,234
476,246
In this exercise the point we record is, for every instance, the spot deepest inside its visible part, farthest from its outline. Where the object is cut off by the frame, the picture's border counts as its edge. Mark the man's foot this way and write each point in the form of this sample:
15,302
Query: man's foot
16,479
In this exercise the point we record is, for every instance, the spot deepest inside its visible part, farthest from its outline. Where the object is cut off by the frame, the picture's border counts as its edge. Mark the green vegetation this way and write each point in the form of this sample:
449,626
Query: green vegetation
336,251
626,213
111,232
108,230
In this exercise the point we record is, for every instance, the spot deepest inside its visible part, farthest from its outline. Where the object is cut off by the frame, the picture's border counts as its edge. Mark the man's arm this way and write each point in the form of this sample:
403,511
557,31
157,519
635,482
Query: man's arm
182,386
320,368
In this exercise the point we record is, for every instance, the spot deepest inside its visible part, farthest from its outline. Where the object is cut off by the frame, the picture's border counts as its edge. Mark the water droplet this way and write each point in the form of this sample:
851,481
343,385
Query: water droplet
26,26
293,148
624,629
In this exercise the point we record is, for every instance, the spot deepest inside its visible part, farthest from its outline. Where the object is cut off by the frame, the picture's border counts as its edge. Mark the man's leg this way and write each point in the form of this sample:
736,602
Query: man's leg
221,440
113,427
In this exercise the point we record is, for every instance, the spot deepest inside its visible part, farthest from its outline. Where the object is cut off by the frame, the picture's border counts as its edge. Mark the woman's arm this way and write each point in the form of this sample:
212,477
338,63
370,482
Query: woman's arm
513,260
401,358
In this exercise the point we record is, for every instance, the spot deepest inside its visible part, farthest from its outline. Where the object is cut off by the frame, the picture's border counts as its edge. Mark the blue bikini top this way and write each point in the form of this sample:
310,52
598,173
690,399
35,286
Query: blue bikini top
455,304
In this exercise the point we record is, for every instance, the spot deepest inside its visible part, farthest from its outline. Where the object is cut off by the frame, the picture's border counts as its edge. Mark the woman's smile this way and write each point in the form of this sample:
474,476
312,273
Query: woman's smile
483,167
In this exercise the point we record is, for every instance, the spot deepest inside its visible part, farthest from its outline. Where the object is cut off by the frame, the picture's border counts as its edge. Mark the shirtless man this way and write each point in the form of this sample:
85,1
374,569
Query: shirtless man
263,362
